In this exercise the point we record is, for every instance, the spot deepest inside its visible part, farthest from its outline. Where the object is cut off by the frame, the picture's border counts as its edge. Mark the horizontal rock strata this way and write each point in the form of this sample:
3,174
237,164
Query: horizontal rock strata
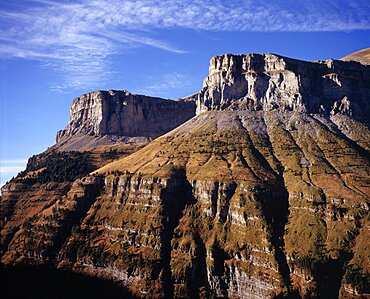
121,113
268,81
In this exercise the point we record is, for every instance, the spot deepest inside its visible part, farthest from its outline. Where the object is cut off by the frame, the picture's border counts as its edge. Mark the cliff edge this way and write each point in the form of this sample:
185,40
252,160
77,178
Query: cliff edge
268,82
121,113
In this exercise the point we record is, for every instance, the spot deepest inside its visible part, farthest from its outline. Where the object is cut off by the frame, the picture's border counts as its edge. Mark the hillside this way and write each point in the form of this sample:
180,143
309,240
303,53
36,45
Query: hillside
259,184
362,56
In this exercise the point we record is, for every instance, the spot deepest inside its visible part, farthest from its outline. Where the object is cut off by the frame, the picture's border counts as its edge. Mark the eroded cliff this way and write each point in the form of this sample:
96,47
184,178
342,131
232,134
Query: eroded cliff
120,113
268,82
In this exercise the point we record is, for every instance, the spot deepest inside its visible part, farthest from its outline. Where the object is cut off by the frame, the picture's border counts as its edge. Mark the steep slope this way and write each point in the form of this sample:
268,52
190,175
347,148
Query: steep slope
362,56
49,176
232,203
265,193
250,175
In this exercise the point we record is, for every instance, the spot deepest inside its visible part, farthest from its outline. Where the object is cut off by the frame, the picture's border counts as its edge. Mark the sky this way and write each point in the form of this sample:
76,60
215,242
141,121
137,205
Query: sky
54,51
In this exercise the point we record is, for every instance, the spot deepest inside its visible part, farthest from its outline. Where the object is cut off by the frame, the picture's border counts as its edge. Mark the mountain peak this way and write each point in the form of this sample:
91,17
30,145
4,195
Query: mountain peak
263,196
253,82
269,81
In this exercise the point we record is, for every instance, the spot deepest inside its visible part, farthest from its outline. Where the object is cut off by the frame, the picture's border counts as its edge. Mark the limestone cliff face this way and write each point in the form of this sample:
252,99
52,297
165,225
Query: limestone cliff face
267,82
124,114
276,204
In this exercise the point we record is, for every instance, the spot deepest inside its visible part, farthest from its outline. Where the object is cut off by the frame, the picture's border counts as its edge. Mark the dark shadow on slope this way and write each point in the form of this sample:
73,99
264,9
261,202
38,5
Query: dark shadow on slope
175,197
44,283
74,217
275,206
225,201
219,257
197,278
329,275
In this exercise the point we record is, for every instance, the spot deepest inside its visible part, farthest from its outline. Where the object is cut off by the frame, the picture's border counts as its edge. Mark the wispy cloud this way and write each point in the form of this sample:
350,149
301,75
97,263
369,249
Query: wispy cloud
163,85
10,168
78,38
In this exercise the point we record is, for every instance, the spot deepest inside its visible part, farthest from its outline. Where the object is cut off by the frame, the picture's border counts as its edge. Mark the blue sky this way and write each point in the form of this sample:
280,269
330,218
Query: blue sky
53,51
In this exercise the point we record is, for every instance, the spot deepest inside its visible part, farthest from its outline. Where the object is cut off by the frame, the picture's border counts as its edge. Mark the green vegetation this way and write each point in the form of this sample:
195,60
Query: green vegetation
56,167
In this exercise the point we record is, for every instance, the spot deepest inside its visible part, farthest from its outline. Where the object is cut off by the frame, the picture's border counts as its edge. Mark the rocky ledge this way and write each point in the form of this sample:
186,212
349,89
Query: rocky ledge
121,113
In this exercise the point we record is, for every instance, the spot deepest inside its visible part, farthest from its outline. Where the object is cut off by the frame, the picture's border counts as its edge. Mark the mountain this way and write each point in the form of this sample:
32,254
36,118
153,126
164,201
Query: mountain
264,193
362,56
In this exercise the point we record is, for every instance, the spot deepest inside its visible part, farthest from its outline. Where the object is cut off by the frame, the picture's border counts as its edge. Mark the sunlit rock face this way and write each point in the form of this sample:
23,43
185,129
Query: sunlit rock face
268,82
124,114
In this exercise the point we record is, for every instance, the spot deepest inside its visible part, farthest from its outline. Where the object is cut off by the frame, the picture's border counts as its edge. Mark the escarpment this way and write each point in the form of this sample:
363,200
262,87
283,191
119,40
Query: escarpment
103,126
268,82
120,113
263,194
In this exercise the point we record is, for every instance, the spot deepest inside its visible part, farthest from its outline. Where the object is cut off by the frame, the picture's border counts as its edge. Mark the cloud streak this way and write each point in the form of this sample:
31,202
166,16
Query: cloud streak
78,38
10,168
162,85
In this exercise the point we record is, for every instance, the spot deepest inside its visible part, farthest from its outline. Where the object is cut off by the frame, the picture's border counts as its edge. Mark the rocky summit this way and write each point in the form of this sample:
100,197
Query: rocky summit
257,186
120,113
268,82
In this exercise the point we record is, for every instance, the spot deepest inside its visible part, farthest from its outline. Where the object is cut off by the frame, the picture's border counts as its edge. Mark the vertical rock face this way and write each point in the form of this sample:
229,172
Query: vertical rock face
122,113
267,82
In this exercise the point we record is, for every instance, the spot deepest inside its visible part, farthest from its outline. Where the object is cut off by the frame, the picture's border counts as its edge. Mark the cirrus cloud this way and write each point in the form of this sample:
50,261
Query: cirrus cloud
10,168
78,38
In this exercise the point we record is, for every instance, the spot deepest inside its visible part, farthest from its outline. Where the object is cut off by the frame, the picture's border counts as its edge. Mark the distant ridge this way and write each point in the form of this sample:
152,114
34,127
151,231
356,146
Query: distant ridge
362,56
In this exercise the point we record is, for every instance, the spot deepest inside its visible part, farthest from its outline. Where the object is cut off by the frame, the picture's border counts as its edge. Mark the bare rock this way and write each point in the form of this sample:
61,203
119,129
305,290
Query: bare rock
268,82
121,113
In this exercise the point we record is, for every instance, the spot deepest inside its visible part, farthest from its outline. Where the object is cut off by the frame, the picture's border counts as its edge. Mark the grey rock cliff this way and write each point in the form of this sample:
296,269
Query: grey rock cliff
122,113
268,82
235,82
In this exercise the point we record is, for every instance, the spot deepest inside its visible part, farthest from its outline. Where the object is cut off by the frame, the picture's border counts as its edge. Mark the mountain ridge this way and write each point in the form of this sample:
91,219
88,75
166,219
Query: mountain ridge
362,56
245,81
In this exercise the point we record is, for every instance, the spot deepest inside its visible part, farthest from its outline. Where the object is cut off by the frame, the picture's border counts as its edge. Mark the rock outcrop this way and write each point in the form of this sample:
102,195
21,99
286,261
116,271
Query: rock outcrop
121,113
263,194
267,82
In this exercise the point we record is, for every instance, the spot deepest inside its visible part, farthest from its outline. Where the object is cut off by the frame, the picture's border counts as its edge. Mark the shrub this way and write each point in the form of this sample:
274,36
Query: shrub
57,167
